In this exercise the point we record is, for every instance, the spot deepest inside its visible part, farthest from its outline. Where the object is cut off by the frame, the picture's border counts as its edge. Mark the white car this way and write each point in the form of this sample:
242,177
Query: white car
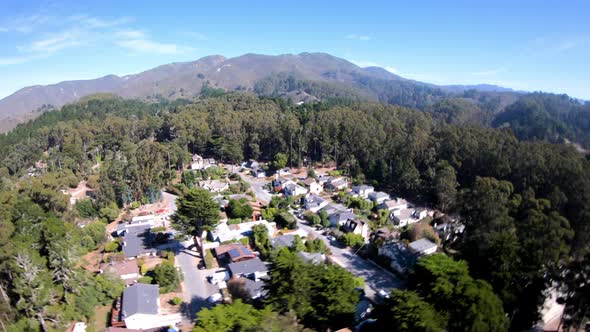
383,294
215,298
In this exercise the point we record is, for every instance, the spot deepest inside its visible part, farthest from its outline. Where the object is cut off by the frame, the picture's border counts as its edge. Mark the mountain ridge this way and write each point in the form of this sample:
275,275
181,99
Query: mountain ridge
321,71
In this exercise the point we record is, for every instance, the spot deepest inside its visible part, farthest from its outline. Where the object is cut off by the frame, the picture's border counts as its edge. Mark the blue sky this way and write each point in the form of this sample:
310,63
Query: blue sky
525,45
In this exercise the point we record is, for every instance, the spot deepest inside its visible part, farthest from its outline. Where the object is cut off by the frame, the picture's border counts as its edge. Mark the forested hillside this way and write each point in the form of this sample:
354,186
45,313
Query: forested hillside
525,204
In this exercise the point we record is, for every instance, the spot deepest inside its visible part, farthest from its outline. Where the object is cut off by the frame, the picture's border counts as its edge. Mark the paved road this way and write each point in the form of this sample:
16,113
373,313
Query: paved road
256,184
375,277
195,288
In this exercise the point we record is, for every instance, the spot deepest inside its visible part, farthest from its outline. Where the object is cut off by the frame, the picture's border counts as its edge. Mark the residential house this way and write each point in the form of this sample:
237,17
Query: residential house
198,163
358,226
255,288
362,191
336,184
137,241
233,252
384,235
335,208
324,178
293,189
141,306
251,164
282,241
224,232
314,186
127,270
214,186
340,218
420,213
312,257
253,269
394,204
258,173
403,217
314,203
378,196
284,171
401,260
422,247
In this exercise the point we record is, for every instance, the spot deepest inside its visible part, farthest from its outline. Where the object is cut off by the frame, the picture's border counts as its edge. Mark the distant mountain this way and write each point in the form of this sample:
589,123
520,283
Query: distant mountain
301,77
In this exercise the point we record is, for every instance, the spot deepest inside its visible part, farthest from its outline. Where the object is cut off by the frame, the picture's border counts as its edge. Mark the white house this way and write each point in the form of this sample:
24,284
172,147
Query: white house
314,186
403,217
293,189
336,184
394,204
314,203
141,304
378,196
362,191
214,186
422,247
358,226
197,163
224,232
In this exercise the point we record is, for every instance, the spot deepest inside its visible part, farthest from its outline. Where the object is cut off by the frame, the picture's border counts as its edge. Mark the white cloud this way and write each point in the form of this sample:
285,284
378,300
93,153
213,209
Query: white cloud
359,37
490,72
95,22
149,46
54,43
392,70
130,34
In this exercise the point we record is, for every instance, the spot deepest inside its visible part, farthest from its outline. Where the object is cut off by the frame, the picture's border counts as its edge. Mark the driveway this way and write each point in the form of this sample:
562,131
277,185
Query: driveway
375,277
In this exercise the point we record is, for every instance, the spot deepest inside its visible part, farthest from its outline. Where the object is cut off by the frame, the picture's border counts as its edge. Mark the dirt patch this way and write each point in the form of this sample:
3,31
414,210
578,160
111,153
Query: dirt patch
166,305
91,261
150,262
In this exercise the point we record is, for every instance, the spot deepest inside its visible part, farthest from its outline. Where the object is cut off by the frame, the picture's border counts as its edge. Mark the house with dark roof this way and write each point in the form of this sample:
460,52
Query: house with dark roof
358,226
137,241
282,241
314,203
255,288
141,304
401,259
341,217
253,269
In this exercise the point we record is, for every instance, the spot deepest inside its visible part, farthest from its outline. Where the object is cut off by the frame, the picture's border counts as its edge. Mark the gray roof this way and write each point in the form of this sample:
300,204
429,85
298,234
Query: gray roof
137,241
311,257
342,216
247,267
313,201
282,241
140,299
364,187
377,194
338,182
334,208
421,245
255,288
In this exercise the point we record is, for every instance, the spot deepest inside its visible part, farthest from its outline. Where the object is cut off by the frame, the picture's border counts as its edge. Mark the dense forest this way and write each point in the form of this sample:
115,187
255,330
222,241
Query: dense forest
526,205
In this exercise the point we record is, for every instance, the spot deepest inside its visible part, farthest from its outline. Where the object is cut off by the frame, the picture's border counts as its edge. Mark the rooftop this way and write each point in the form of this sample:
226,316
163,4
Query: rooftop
282,241
247,267
140,299
137,241
421,245
120,268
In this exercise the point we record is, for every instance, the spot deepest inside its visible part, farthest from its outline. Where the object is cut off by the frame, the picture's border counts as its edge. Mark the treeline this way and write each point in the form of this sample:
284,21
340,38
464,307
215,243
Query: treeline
525,204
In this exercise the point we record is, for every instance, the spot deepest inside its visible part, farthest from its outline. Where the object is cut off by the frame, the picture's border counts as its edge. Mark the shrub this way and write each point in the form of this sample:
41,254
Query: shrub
144,269
145,280
112,246
176,300
158,229
352,240
167,277
245,241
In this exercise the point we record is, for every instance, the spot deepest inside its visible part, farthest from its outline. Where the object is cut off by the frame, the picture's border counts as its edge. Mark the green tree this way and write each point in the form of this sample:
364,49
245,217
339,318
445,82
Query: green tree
470,304
445,186
167,277
280,161
407,311
237,316
86,208
239,209
196,212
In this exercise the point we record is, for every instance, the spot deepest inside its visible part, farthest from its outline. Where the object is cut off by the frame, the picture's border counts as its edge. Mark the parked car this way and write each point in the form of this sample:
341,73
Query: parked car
215,298
201,265
331,238
383,294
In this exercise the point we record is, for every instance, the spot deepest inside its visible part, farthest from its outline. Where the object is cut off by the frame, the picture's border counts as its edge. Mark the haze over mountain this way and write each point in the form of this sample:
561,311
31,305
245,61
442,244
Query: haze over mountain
301,77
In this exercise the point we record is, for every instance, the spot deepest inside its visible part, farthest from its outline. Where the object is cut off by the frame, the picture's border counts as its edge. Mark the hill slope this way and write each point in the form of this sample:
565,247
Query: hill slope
305,76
